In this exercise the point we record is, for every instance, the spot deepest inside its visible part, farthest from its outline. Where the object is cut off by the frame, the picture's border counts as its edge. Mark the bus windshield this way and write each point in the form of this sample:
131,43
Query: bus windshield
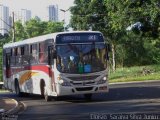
81,58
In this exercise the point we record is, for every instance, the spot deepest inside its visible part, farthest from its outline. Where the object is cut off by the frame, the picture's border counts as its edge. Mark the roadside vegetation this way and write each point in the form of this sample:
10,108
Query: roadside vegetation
138,73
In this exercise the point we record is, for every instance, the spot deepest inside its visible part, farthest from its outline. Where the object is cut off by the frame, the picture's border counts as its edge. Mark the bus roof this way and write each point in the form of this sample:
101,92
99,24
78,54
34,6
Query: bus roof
42,38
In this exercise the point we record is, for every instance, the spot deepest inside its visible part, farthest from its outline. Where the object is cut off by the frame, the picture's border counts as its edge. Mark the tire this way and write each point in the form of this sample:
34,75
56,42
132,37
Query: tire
17,89
88,97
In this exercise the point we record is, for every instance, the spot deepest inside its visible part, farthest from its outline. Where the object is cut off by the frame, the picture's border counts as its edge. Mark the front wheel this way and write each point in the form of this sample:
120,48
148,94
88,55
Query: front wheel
88,96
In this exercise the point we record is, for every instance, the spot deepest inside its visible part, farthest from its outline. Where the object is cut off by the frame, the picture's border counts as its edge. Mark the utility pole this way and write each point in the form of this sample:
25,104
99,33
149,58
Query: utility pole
13,28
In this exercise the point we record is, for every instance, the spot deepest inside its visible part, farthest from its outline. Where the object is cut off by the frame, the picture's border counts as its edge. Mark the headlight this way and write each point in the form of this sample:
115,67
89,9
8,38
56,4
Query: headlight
63,82
59,78
102,81
104,78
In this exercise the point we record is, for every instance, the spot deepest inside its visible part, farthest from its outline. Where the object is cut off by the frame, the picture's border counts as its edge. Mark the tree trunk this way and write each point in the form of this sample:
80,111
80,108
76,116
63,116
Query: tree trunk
113,58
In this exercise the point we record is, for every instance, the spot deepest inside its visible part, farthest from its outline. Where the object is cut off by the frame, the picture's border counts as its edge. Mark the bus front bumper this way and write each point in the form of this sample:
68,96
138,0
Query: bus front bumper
73,90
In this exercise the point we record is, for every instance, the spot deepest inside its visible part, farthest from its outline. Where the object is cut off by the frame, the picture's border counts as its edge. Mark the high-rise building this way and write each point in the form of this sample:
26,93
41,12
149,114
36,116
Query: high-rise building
24,15
53,13
4,19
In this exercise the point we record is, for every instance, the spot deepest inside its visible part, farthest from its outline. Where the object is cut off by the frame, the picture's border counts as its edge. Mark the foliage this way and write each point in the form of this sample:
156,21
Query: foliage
52,27
80,15
35,27
20,32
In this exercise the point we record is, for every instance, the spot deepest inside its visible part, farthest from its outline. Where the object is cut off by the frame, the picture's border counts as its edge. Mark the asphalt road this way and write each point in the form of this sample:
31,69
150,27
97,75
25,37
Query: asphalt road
124,101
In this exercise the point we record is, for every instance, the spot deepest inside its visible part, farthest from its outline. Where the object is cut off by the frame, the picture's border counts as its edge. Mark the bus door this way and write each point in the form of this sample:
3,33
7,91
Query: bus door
8,69
51,65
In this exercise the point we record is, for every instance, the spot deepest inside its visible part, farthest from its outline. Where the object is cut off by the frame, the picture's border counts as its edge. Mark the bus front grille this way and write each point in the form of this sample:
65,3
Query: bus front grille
84,89
86,83
81,78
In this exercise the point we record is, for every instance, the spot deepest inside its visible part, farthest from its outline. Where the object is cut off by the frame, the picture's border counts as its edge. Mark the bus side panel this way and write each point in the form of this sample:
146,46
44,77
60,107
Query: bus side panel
30,79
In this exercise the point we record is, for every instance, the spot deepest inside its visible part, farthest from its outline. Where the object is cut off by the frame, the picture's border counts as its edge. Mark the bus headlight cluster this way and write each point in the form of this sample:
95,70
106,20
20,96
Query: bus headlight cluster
102,81
104,78
59,78
62,81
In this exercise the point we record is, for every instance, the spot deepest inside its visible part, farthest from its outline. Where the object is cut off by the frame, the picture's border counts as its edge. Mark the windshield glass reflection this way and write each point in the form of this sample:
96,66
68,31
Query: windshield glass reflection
81,58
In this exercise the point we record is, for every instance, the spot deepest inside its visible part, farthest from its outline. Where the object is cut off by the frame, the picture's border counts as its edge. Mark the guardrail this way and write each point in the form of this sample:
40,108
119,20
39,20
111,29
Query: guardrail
1,85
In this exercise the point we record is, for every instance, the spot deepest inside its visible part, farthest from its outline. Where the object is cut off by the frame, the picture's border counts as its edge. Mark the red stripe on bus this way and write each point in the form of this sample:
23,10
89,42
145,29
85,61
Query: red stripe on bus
45,69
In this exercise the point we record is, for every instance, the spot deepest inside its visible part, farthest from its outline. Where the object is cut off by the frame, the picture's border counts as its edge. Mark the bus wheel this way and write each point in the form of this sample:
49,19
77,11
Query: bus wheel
17,89
46,97
88,96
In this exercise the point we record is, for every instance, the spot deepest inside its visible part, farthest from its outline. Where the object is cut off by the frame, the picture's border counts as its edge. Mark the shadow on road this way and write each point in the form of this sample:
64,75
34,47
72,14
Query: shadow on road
131,93
115,94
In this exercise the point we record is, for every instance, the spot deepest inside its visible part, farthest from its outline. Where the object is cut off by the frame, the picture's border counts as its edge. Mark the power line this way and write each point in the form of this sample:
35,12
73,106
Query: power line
6,23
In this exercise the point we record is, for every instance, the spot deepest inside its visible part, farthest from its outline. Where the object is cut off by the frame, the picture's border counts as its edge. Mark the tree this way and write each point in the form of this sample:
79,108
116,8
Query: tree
35,27
20,32
80,15
147,13
54,27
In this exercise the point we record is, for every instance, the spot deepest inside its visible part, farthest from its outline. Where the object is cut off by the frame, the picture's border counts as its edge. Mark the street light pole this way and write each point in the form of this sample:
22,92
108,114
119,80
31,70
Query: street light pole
64,11
13,28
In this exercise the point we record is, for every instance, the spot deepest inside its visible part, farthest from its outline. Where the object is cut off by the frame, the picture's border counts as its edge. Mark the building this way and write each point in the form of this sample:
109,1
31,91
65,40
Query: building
52,13
26,15
23,15
4,19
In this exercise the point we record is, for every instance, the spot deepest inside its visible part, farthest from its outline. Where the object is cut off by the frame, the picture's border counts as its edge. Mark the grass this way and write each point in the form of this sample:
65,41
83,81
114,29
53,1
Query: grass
137,73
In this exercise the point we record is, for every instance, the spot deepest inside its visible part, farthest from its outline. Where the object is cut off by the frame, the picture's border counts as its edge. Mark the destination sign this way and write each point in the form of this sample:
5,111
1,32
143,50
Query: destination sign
79,38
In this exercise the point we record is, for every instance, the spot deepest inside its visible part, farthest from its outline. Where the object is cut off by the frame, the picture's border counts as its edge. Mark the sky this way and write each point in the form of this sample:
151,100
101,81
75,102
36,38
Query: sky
38,7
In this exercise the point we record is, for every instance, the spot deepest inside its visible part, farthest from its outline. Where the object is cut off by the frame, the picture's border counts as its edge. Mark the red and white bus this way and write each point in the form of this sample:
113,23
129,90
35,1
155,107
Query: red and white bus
57,64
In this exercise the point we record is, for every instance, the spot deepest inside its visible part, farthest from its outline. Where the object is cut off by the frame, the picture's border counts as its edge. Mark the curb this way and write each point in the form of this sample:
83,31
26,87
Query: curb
121,83
15,108
24,107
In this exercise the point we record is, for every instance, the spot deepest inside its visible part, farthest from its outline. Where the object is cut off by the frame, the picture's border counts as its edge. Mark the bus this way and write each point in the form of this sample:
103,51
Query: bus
57,64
